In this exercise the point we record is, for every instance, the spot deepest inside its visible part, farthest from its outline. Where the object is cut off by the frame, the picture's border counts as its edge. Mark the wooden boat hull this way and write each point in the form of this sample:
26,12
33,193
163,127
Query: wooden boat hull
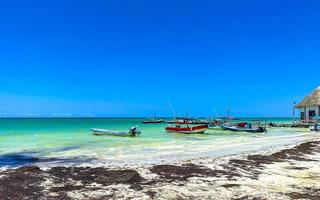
187,130
249,130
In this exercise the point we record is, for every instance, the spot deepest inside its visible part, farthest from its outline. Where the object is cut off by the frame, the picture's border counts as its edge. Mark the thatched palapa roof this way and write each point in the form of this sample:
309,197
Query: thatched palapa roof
313,99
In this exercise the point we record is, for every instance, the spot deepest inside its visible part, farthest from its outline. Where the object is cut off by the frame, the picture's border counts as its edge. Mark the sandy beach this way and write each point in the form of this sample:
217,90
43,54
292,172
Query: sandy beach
289,173
159,100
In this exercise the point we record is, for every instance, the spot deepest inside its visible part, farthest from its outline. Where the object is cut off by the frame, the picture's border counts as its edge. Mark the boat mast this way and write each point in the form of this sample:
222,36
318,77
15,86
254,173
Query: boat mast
187,120
215,112
228,110
173,111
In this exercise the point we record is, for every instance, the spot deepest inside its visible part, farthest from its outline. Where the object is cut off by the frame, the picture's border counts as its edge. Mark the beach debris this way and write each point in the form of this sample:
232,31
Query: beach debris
291,173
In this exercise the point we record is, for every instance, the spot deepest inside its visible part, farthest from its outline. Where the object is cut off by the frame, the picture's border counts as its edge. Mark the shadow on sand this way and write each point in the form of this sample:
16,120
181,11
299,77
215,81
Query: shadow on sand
30,158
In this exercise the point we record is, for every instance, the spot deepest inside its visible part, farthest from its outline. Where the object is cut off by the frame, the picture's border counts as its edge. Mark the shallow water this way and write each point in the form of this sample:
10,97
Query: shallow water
50,142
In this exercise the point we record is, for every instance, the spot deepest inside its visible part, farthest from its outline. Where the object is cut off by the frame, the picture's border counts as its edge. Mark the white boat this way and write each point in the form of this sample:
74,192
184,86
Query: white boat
153,120
133,132
243,129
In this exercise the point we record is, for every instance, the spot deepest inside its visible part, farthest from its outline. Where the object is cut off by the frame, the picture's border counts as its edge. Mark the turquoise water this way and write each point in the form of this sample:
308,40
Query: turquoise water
70,142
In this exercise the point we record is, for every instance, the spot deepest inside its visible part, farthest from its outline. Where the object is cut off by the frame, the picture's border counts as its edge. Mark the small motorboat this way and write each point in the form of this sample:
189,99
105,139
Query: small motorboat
215,124
243,128
187,129
133,132
153,121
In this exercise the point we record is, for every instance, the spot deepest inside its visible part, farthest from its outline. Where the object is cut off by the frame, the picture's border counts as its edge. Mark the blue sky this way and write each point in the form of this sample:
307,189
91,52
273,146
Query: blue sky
131,58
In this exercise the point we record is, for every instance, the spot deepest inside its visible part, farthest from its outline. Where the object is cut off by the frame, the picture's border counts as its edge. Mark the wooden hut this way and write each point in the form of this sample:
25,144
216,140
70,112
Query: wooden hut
310,106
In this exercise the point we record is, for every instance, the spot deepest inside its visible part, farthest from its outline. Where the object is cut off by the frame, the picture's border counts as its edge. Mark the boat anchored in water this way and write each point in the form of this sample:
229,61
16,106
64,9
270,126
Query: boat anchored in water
244,127
178,128
133,132
153,120
214,124
186,120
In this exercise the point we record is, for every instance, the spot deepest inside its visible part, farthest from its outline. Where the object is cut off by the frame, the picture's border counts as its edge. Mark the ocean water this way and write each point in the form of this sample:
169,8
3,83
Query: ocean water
52,142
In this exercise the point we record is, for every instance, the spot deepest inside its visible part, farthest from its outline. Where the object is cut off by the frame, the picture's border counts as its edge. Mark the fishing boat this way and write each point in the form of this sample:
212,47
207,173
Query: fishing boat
153,120
186,120
187,129
214,124
133,132
244,127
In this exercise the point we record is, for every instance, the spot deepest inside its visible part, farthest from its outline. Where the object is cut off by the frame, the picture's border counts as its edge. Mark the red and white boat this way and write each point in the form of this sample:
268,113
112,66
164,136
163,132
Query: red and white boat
187,129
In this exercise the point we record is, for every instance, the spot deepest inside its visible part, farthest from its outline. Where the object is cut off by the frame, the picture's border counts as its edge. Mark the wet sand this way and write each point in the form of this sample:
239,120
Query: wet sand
291,173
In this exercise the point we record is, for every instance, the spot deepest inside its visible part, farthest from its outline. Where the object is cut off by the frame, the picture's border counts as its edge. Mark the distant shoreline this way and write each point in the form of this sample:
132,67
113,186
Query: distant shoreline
289,118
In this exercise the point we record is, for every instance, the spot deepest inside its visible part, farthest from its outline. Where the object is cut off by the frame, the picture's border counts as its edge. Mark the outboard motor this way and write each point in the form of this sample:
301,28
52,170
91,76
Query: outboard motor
261,129
134,132
271,124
